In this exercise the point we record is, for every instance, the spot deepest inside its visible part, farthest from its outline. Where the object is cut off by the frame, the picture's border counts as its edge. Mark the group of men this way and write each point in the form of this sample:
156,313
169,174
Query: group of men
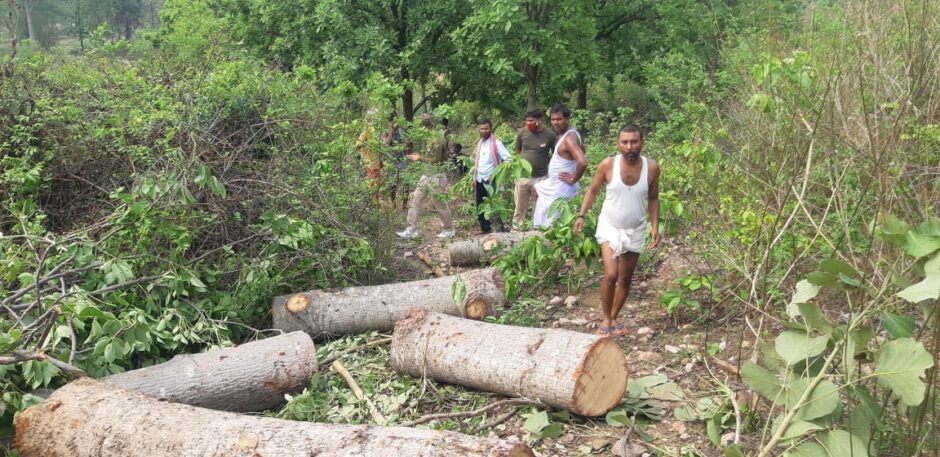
630,182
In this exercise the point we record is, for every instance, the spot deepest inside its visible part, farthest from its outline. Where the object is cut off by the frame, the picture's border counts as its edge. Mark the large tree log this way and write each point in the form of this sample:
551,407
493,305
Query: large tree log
583,373
93,419
251,377
466,253
362,309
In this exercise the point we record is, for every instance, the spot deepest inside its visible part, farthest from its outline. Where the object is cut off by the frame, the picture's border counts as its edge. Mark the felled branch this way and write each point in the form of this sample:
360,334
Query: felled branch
377,416
25,356
491,406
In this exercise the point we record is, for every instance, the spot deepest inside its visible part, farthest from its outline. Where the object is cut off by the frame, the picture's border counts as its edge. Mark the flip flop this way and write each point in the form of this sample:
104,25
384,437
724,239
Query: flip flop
603,330
618,330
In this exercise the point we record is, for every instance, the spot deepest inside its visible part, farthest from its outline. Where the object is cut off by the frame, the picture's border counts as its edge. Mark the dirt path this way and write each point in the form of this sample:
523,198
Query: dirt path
656,344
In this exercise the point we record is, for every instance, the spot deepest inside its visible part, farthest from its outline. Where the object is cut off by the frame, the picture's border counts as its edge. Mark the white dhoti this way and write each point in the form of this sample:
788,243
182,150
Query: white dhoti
620,240
550,190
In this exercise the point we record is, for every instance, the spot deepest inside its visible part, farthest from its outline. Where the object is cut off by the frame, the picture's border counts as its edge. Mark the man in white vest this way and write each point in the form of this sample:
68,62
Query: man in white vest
564,170
631,184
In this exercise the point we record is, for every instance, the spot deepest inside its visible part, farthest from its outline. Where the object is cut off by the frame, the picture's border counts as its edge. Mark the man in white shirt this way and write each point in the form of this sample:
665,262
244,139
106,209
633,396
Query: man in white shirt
489,153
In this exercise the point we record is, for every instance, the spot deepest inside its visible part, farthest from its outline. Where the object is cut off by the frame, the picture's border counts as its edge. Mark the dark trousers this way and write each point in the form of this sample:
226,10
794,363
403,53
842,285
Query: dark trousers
481,193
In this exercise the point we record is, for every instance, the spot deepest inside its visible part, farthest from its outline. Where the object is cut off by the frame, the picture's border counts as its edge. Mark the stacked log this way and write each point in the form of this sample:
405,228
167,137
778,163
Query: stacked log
251,377
362,309
583,373
466,253
88,418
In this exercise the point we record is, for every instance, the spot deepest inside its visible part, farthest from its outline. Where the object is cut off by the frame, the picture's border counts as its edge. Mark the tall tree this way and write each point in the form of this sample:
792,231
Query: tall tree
405,40
538,44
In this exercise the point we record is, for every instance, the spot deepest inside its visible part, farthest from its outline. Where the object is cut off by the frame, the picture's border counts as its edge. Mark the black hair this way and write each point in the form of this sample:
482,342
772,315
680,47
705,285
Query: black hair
485,121
535,113
561,108
631,128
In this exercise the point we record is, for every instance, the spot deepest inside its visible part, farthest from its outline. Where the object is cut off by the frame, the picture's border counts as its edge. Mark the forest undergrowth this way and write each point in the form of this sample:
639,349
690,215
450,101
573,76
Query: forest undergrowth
156,193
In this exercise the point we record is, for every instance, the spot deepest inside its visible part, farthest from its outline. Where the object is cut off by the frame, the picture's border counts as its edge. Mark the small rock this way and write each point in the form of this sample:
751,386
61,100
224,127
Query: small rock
408,254
571,301
576,321
566,438
672,349
643,330
727,439
633,449
678,427
648,356
722,346
598,443
555,301
688,367
745,344
685,436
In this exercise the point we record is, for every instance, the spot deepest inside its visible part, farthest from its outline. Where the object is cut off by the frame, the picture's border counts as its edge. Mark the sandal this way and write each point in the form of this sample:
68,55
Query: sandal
618,330
603,330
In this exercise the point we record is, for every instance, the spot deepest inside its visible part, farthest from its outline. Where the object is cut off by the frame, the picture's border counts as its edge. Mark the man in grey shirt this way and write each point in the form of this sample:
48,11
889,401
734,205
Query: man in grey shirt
534,143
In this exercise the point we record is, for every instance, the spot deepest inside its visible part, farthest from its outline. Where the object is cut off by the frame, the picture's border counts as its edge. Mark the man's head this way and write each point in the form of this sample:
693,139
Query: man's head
630,141
560,116
486,128
533,119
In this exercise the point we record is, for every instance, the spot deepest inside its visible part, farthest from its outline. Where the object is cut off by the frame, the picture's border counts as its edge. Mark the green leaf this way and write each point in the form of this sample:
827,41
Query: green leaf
841,443
535,422
805,291
822,402
808,449
669,391
685,413
617,418
919,245
927,289
796,429
821,278
860,425
900,365
713,430
814,318
762,381
836,267
734,451
898,326
552,431
795,347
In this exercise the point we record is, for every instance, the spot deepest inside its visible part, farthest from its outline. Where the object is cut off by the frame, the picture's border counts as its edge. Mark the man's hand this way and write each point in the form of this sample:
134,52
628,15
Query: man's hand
578,225
566,177
414,156
656,239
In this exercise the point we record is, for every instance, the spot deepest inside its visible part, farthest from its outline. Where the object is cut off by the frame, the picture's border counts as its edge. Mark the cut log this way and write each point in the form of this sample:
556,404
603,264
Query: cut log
472,252
363,309
251,377
88,418
585,374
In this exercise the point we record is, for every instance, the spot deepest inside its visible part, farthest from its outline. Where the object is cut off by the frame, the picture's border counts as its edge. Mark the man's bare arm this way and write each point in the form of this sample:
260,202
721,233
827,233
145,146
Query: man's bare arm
654,202
598,183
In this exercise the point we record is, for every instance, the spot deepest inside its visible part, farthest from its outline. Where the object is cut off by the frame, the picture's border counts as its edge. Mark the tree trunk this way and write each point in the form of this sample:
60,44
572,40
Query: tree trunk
88,418
467,253
582,93
30,30
532,82
251,377
583,373
363,309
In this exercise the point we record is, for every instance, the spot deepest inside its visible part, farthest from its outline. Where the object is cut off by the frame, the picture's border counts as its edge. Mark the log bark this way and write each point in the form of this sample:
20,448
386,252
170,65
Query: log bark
467,253
361,309
583,373
251,377
88,418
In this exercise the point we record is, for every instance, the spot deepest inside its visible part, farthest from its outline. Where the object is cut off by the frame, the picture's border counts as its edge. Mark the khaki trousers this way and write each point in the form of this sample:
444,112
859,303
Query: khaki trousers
434,186
525,195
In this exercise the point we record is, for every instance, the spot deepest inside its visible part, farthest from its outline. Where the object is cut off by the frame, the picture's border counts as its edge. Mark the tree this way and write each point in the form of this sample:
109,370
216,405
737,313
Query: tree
538,44
407,41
